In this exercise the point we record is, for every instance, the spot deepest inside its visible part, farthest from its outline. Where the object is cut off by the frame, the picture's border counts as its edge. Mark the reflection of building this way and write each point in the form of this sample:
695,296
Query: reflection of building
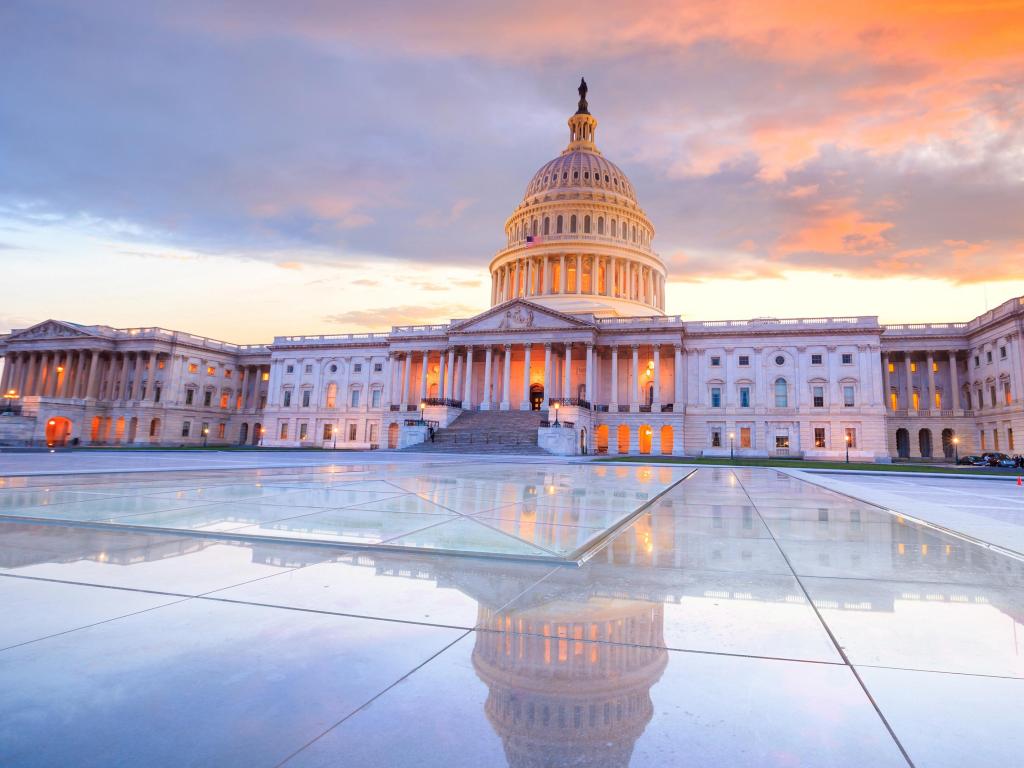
577,315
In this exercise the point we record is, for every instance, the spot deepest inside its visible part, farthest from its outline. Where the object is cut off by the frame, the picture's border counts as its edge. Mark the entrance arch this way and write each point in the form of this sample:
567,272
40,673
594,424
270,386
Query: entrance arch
903,443
583,441
243,433
667,437
536,397
257,433
924,441
601,438
154,431
645,436
58,431
393,435
947,443
623,438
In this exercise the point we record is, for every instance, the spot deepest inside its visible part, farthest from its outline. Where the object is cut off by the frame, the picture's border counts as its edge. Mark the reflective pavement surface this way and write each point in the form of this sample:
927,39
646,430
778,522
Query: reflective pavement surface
746,618
509,509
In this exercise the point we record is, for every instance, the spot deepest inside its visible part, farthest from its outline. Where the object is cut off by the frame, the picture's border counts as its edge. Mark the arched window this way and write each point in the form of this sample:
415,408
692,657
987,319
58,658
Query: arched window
634,233
575,175
547,225
534,228
600,225
614,233
332,395
781,393
586,224
558,225
572,223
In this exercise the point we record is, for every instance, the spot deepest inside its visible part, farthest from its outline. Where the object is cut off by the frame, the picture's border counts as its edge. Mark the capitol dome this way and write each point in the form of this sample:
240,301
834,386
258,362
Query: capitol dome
579,241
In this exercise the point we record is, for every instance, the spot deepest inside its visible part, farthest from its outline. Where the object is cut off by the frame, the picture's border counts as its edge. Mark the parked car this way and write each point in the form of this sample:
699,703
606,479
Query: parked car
971,460
996,459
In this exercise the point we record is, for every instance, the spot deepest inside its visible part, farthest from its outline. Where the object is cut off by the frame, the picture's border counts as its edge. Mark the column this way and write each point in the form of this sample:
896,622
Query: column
634,388
677,378
567,382
588,378
506,376
457,385
137,379
954,382
527,278
886,396
909,402
123,381
5,381
613,401
448,372
524,404
423,376
27,361
440,373
579,275
515,279
467,388
931,380
547,376
485,400
656,406
561,274
154,366
405,381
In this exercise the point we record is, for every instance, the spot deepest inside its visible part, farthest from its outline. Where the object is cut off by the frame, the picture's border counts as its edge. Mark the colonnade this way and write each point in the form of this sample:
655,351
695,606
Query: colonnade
900,390
84,374
584,275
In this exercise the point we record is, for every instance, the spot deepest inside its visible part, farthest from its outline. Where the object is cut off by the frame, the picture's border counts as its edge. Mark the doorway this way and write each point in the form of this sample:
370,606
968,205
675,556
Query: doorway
58,431
536,397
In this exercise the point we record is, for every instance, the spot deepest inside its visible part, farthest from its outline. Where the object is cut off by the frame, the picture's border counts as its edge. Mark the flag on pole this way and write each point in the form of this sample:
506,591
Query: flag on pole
532,240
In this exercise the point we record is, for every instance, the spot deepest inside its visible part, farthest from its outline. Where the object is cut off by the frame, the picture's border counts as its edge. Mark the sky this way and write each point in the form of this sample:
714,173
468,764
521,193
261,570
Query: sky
249,169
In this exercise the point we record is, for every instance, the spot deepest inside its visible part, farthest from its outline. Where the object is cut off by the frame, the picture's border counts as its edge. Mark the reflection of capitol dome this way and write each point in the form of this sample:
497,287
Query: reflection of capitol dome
570,693
578,242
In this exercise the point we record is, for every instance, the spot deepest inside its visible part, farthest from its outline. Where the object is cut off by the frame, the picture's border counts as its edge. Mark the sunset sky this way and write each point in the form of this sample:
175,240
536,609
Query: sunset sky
251,169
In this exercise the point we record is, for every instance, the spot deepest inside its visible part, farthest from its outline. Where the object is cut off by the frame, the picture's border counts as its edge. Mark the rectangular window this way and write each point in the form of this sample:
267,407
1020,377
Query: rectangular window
378,367
992,394
716,397
851,437
305,398
781,441
186,427
744,360
375,398
357,368
917,401
156,394
227,373
988,356
352,432
913,367
354,402
983,446
1009,438
328,431
744,437
716,438
1002,353
190,396
289,369
744,397
205,430
819,437
977,361
287,398
848,396
938,400
211,370
224,400
1007,396
847,358
995,439
193,368
207,398
221,430
819,397
303,431
715,361
816,359
283,430
935,367
892,367
895,399
160,364
308,369
265,376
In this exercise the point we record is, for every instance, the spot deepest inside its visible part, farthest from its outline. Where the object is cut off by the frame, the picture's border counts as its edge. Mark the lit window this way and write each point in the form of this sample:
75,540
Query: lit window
227,373
1009,438
193,368
265,376
744,437
815,359
894,399
224,400
329,430
303,430
851,437
283,430
819,437
332,395
716,397
935,367
892,367
847,358
221,430
211,370
744,397
938,400
160,363
917,401
913,367
781,441
352,431
1007,395
848,396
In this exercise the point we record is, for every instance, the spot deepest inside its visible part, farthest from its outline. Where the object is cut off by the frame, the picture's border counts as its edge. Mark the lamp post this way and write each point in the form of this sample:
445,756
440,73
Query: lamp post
556,406
10,396
423,411
334,434
847,447
206,431
732,437
956,449
263,431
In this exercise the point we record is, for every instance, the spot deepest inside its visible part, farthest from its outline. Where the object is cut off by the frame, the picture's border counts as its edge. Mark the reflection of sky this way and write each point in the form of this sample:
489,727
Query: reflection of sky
286,154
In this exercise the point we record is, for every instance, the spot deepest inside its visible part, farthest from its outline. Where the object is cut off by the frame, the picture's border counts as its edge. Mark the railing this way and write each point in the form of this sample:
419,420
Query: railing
447,402
645,408
395,407
435,328
601,408
667,407
646,322
557,424
330,338
576,237
865,321
569,402
10,409
422,423
623,408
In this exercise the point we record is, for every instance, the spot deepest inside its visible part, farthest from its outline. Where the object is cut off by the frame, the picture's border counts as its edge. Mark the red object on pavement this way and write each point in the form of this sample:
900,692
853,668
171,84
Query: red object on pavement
1019,481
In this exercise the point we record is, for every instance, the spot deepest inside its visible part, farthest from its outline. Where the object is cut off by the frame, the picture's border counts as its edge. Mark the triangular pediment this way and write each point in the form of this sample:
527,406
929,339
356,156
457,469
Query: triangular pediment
51,329
519,315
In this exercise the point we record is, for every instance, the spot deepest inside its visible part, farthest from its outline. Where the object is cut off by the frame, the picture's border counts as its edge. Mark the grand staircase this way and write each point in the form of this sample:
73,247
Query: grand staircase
512,432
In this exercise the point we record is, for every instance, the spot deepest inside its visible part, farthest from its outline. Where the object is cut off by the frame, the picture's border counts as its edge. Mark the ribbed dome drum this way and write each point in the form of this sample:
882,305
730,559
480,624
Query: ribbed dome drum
578,241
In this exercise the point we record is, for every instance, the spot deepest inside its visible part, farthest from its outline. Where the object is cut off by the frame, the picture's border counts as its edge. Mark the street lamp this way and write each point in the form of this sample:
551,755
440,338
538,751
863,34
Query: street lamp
847,447
956,449
423,411
10,395
732,437
206,431
263,431
556,406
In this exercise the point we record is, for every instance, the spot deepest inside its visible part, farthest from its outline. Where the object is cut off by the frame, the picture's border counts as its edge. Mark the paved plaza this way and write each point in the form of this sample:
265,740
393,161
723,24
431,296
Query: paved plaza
263,609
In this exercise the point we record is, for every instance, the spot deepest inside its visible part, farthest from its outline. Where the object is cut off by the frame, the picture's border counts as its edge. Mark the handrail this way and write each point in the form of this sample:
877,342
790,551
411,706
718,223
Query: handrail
443,401
569,402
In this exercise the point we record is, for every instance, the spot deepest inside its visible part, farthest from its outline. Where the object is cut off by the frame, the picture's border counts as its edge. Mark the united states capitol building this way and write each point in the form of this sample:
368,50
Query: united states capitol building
576,331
